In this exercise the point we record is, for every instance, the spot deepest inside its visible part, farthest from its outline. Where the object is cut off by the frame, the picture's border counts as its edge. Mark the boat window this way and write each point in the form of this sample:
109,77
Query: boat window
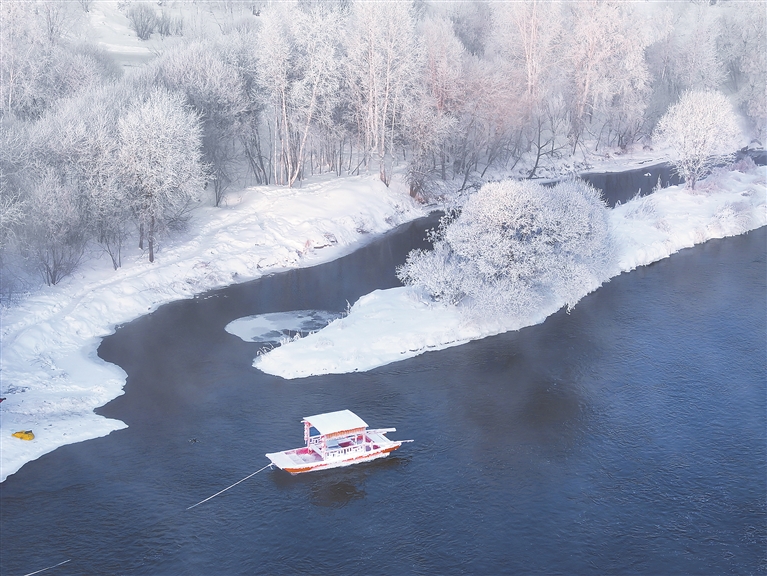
313,431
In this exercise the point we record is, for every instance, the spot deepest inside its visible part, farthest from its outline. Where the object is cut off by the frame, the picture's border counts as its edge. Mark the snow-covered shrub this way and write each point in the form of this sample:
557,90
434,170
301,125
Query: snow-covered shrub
702,128
641,208
142,19
517,245
744,165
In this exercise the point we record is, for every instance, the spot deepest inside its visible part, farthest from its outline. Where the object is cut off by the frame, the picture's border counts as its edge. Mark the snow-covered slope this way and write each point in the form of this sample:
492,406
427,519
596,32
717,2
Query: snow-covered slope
51,376
391,325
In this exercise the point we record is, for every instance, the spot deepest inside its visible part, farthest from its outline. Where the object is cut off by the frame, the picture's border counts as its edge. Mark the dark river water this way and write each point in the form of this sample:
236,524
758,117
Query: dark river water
627,437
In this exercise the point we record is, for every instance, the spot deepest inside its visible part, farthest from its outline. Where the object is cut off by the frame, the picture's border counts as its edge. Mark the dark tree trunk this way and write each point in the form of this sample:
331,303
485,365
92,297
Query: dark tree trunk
151,239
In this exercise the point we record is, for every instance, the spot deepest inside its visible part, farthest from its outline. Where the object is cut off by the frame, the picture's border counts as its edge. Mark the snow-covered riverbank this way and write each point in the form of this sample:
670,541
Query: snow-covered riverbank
51,376
391,325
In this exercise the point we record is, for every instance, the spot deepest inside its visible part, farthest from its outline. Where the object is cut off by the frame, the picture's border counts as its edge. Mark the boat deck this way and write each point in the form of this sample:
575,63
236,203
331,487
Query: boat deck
366,445
303,456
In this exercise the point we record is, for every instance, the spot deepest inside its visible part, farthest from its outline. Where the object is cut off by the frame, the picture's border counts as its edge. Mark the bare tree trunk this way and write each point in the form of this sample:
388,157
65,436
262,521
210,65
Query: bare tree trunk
299,161
151,239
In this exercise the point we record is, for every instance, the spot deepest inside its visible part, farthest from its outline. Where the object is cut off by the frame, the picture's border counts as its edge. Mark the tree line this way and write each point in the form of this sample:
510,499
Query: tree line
94,157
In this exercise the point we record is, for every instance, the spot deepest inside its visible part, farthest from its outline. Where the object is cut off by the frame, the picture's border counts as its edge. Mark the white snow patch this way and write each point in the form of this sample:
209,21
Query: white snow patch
390,325
50,373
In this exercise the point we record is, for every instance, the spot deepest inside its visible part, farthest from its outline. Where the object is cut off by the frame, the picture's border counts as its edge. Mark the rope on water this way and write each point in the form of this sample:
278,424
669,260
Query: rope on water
166,518
48,568
232,486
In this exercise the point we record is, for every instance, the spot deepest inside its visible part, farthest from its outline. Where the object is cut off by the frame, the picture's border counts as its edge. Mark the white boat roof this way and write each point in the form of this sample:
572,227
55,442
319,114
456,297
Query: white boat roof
334,422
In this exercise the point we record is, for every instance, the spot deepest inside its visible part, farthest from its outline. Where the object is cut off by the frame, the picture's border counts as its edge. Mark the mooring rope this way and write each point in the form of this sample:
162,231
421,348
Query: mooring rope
166,518
48,568
232,486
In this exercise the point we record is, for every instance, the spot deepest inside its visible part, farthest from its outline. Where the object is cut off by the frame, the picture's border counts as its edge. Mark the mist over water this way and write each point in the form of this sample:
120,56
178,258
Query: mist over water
625,437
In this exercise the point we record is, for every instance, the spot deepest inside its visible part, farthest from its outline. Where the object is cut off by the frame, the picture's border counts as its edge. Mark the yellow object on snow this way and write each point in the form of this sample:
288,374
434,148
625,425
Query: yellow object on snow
24,434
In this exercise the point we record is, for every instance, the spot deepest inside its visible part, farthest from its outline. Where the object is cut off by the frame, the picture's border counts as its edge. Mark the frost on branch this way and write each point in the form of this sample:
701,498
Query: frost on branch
516,246
702,129
159,162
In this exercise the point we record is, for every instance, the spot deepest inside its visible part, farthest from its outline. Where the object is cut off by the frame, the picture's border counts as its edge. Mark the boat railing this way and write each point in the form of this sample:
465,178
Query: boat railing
357,442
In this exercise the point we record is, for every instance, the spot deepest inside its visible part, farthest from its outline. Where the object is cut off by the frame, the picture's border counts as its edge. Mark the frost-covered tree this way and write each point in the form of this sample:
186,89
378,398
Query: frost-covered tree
143,19
239,52
58,17
274,66
608,75
526,42
434,119
299,67
472,23
94,168
54,235
214,89
684,54
314,93
743,45
697,62
380,70
36,70
517,245
12,205
486,110
11,214
160,161
702,129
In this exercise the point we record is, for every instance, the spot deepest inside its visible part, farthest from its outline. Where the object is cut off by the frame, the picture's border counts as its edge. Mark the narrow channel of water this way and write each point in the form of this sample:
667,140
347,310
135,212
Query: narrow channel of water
627,437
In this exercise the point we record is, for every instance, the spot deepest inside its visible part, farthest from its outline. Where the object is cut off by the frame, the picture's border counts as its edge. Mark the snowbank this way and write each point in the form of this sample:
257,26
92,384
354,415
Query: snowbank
50,374
391,325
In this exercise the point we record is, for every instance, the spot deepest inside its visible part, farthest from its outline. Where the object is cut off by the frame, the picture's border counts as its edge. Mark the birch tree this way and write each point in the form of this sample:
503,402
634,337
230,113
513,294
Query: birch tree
526,37
381,68
609,79
274,60
433,124
314,92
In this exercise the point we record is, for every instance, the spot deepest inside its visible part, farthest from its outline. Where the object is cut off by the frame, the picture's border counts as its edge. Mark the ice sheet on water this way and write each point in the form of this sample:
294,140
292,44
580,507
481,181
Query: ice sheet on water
276,325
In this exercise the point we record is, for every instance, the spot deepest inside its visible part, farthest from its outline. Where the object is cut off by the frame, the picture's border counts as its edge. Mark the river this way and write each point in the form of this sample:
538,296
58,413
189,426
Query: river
626,437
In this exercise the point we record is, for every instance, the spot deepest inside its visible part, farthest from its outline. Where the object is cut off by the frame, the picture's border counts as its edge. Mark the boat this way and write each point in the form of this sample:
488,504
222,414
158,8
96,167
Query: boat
335,439
24,435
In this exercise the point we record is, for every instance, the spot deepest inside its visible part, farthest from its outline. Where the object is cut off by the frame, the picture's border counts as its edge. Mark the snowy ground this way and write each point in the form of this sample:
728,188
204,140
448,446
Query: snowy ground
50,374
391,325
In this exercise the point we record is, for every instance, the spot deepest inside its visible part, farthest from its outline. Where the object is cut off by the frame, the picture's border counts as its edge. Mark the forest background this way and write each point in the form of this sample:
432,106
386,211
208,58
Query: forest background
93,156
